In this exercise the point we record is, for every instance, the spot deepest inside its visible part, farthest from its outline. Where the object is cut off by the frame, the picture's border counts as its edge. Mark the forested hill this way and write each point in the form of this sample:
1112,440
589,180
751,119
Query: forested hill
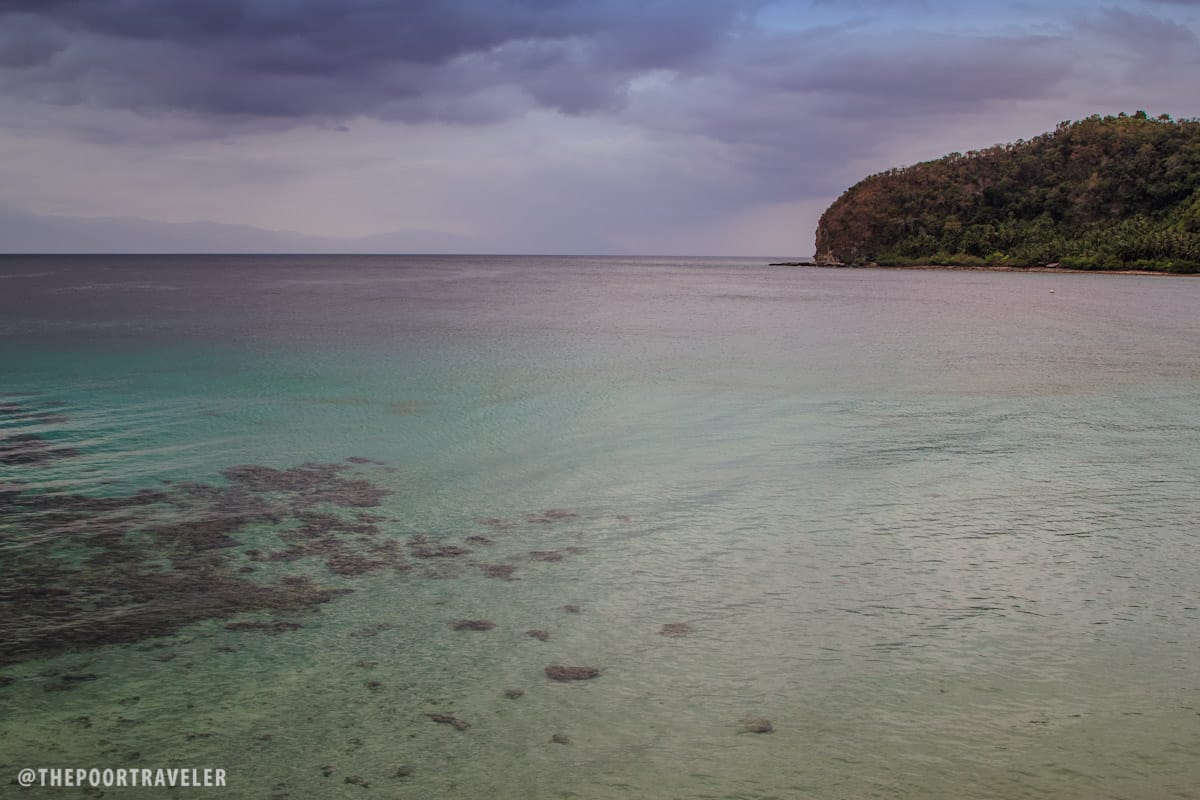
1117,192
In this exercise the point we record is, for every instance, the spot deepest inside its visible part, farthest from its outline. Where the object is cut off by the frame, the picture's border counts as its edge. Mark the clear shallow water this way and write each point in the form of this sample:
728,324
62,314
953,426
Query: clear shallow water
939,528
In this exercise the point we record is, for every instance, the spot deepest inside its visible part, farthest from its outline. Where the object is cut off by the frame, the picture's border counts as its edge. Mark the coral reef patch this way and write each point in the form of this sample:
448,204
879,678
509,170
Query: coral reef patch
87,571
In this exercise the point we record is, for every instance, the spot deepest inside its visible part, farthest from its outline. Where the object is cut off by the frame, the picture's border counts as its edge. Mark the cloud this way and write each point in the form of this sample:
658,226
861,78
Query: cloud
1153,51
792,110
1141,32
330,59
947,73
542,124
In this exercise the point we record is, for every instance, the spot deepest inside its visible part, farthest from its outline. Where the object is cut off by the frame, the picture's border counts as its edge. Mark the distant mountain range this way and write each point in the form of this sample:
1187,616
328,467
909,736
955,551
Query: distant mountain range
23,232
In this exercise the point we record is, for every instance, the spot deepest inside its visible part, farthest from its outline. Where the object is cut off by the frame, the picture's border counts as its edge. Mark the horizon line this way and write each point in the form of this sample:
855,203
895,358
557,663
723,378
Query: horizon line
385,255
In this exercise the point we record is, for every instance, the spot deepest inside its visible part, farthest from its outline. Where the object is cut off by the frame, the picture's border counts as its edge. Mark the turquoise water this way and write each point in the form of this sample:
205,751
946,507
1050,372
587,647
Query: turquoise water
939,528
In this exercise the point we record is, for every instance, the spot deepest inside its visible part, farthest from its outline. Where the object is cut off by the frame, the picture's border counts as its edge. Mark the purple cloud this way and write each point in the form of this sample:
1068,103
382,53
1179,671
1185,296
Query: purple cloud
329,59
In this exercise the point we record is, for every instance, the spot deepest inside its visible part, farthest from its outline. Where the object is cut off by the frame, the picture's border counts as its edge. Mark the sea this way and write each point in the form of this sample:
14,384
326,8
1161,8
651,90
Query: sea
586,528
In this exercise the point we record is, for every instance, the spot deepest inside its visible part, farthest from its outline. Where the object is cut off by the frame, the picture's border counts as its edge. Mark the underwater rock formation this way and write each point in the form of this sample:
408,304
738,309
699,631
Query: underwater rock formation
472,624
152,562
561,672
449,719
501,571
756,725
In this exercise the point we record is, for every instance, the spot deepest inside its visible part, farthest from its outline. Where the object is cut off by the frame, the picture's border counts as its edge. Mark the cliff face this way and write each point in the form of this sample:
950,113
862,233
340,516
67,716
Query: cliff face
1101,193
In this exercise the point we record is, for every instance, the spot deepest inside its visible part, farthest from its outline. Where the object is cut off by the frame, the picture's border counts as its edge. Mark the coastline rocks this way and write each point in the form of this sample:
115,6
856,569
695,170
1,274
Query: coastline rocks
562,672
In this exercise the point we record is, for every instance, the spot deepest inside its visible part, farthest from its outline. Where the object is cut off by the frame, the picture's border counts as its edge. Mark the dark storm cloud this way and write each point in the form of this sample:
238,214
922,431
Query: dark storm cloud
461,60
25,43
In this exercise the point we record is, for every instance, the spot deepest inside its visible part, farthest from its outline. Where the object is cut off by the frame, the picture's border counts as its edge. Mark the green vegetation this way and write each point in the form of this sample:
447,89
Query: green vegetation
1102,193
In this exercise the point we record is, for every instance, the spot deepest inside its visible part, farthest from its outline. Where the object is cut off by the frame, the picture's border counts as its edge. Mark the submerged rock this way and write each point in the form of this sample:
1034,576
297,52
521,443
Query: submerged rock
537,633
29,449
501,571
472,624
370,631
756,725
312,483
562,672
551,515
69,681
675,629
422,550
78,677
514,694
349,564
571,608
154,561
449,719
269,628
560,738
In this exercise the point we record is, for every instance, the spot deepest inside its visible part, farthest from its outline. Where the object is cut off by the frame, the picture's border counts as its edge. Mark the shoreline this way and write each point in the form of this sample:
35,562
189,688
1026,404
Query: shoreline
988,268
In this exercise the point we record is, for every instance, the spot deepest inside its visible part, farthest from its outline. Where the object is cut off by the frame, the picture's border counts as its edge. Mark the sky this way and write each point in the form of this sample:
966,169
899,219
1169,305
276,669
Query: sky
687,127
